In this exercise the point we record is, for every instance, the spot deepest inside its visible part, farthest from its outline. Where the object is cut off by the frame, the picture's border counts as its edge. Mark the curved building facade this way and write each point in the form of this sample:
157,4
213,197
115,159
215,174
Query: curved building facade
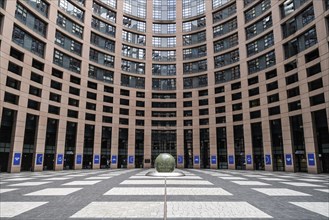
221,84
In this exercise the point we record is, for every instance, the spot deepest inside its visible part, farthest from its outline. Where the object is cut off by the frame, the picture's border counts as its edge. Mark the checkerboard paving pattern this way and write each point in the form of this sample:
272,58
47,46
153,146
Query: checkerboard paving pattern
200,194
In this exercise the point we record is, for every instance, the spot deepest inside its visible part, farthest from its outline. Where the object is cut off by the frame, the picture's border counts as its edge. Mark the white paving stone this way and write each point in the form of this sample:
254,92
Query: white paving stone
54,192
323,190
98,178
288,177
197,191
81,183
280,192
231,178
302,184
59,178
143,182
321,208
313,180
12,209
188,182
29,184
159,177
151,210
136,191
251,183
273,179
7,190
221,174
19,179
169,182
77,175
213,210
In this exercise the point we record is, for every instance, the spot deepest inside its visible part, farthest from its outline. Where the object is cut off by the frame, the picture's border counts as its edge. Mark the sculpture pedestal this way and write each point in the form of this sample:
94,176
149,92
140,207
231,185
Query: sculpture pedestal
165,174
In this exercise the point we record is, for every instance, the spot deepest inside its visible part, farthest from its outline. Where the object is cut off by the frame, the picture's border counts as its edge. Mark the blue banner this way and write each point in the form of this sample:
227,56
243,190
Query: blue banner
249,160
230,159
79,159
59,159
196,159
17,159
131,159
39,159
213,159
311,159
180,159
114,159
288,160
268,159
96,159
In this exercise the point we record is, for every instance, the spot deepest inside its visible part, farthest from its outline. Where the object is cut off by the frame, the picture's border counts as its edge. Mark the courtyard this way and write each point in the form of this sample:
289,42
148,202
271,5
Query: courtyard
128,193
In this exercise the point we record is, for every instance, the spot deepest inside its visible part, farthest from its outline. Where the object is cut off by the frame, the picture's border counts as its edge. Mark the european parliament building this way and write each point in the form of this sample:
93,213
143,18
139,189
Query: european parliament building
219,84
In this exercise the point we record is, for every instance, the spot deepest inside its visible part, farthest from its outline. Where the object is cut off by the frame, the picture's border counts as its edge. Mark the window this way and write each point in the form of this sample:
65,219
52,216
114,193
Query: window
274,110
195,52
261,62
30,20
238,117
289,6
194,24
293,106
257,10
272,86
225,28
293,92
135,8
311,55
226,58
28,42
41,6
36,77
226,43
273,98
253,80
317,99
218,3
254,103
260,44
271,74
69,25
103,27
13,83
73,102
134,24
315,69
133,52
100,74
68,43
255,114
195,67
254,91
102,42
292,79
224,13
315,84
71,9
159,28
259,27
300,43
193,8
164,15
290,66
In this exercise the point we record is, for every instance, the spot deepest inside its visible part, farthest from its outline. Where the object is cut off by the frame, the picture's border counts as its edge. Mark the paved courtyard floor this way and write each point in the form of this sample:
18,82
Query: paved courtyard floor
129,194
